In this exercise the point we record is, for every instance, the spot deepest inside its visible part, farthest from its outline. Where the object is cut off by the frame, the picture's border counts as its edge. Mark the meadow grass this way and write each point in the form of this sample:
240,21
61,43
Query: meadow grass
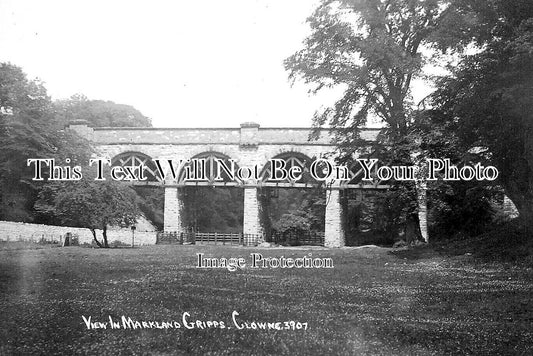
372,302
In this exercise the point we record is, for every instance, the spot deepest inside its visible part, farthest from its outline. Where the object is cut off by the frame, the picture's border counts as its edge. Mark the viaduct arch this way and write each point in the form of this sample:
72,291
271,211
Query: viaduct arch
250,145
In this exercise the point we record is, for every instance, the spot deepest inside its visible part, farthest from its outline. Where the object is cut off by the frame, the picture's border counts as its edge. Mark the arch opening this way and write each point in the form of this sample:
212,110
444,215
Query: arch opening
286,161
217,205
209,167
137,159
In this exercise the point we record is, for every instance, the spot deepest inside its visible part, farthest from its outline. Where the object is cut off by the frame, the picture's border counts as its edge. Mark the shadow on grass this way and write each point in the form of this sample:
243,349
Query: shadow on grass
505,243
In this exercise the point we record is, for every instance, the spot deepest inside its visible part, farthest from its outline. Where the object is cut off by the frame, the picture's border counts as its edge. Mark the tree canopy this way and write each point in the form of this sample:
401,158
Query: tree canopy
373,49
99,113
32,126
486,102
28,129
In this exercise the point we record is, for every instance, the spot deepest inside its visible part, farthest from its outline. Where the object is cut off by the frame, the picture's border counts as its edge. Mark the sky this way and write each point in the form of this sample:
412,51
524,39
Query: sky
207,63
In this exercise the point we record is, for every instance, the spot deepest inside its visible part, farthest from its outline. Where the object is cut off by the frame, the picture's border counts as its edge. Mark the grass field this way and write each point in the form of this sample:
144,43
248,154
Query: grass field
372,302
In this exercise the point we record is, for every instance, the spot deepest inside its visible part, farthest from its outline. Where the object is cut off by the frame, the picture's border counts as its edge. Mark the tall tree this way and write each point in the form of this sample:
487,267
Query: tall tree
24,120
487,101
373,50
28,129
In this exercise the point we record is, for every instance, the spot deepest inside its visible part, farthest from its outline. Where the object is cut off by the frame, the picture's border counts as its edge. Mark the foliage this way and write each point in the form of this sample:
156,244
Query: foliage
151,203
24,117
295,205
90,204
99,113
466,207
371,49
32,126
295,221
28,129
454,206
210,209
487,103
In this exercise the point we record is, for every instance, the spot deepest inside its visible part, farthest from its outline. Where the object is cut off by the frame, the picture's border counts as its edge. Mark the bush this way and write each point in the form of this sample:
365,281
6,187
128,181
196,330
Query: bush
293,223
462,207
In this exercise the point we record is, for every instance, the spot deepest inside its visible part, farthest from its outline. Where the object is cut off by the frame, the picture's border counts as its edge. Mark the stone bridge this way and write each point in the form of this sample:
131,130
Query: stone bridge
250,145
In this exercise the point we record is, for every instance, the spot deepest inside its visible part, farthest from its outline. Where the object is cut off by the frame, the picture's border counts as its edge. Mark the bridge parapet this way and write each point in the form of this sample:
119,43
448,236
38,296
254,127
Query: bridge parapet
249,134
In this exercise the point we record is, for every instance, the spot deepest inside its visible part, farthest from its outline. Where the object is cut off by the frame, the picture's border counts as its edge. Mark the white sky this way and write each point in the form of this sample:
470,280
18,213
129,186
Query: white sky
208,63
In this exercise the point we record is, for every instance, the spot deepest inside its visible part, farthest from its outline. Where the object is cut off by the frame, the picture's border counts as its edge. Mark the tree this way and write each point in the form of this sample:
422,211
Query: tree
32,126
90,204
28,129
372,49
24,121
99,113
486,103
465,207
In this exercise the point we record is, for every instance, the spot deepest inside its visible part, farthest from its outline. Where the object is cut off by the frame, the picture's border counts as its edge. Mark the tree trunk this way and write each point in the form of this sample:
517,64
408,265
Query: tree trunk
104,234
412,229
524,204
95,239
421,195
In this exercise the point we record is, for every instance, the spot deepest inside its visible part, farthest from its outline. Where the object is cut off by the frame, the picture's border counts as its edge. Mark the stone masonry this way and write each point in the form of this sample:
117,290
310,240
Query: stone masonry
173,210
334,233
251,221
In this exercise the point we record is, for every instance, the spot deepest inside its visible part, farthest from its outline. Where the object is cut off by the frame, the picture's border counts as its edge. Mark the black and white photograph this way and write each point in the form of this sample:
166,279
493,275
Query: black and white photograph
266,177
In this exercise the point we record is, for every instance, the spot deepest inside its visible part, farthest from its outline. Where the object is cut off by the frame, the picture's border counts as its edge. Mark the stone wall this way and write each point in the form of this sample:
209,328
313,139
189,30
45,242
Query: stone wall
15,231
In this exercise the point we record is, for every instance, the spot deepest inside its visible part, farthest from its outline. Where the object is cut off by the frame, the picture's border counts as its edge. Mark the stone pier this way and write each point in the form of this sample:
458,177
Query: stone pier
334,232
173,210
251,220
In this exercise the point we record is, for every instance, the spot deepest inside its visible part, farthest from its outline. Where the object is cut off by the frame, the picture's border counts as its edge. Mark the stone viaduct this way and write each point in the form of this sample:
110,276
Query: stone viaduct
248,145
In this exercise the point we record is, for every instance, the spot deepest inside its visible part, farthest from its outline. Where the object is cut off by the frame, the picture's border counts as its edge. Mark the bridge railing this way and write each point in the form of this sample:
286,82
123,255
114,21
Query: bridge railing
214,238
174,237
313,238
219,238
